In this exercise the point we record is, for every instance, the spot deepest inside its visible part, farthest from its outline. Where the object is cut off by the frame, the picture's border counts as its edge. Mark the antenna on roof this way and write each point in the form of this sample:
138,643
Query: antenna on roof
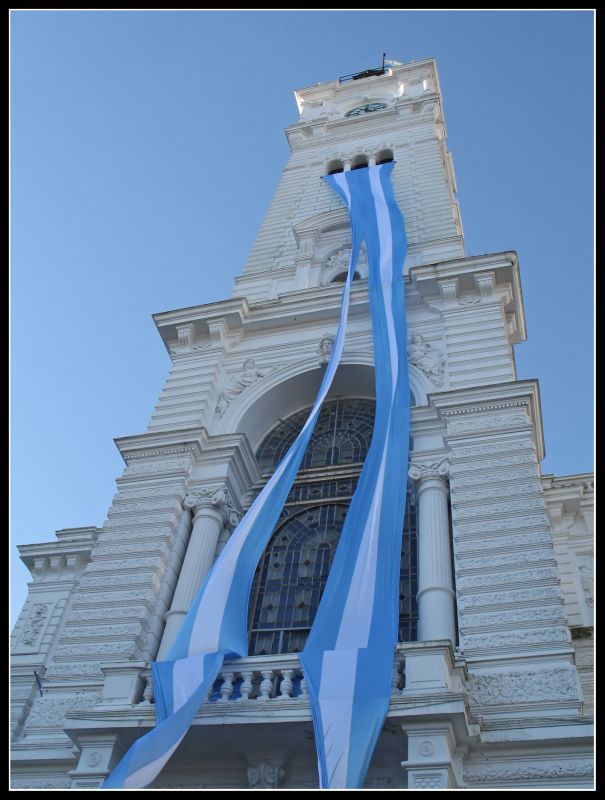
367,73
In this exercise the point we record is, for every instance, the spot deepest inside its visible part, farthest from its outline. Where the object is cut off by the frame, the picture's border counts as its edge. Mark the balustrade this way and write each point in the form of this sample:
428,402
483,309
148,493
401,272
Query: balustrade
270,678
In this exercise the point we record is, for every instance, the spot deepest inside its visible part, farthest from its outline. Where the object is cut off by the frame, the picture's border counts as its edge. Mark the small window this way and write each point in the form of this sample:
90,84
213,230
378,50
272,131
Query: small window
342,276
359,162
334,167
384,156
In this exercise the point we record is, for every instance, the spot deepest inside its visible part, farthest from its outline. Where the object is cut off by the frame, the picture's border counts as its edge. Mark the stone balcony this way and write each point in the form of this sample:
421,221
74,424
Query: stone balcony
256,693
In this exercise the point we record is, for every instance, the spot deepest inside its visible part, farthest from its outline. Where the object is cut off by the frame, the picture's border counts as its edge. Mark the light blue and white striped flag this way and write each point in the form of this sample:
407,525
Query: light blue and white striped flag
349,655
216,624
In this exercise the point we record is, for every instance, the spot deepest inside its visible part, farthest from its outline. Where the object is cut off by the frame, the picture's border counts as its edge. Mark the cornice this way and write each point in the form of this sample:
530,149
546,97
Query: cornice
158,444
495,397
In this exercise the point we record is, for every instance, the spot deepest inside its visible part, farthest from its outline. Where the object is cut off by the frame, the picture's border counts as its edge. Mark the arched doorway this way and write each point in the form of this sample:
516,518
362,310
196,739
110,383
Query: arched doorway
292,574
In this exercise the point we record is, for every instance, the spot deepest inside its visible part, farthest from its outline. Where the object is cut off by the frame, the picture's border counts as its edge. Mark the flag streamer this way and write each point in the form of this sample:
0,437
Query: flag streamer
349,654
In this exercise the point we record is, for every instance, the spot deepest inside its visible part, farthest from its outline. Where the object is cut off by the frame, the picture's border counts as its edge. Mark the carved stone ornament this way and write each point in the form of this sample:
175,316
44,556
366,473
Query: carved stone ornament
35,623
339,262
585,568
426,358
214,498
249,375
265,776
420,470
483,773
326,343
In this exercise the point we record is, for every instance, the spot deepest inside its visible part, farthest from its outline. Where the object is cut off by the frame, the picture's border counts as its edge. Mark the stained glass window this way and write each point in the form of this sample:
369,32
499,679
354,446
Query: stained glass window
292,574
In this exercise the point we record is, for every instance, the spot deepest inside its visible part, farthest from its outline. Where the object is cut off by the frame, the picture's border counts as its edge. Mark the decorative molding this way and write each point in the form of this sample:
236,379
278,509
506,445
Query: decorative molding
94,758
538,594
484,408
513,617
100,614
497,492
266,775
169,465
528,636
488,423
125,649
433,780
426,358
421,470
249,375
487,526
49,711
495,560
62,782
105,632
493,449
462,479
535,504
484,773
339,261
483,465
82,669
219,499
503,542
504,579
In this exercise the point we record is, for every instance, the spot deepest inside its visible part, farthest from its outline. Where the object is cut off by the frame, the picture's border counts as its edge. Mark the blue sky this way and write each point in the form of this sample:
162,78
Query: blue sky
145,150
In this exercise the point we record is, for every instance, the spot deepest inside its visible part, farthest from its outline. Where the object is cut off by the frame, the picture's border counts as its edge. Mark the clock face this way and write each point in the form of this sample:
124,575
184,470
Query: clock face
355,112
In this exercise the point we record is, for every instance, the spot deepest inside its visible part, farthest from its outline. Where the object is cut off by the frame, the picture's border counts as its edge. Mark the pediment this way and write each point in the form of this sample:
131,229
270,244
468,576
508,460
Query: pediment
322,223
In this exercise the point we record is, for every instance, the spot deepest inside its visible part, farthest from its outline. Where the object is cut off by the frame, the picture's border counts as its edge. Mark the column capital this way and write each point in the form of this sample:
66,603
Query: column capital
218,499
436,468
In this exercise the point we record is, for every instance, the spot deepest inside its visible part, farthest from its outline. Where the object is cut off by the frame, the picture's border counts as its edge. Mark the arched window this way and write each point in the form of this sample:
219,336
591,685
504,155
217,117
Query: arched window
292,573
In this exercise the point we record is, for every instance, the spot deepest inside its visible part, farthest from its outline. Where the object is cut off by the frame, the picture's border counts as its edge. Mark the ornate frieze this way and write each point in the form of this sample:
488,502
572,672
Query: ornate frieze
523,616
99,649
496,560
61,782
510,507
157,467
488,422
249,375
494,772
518,577
514,598
523,636
460,468
496,492
522,686
111,598
49,711
495,448
100,614
502,542
461,479
103,631
487,526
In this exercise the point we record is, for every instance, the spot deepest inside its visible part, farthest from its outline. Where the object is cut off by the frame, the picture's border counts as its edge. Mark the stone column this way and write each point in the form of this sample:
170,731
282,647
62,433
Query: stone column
436,596
212,509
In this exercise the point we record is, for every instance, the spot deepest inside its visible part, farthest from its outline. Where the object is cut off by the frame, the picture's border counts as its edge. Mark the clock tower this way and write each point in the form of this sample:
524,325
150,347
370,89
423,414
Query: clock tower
492,674
345,125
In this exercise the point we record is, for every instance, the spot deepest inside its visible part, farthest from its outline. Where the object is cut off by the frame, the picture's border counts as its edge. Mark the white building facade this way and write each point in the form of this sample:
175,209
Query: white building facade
492,679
